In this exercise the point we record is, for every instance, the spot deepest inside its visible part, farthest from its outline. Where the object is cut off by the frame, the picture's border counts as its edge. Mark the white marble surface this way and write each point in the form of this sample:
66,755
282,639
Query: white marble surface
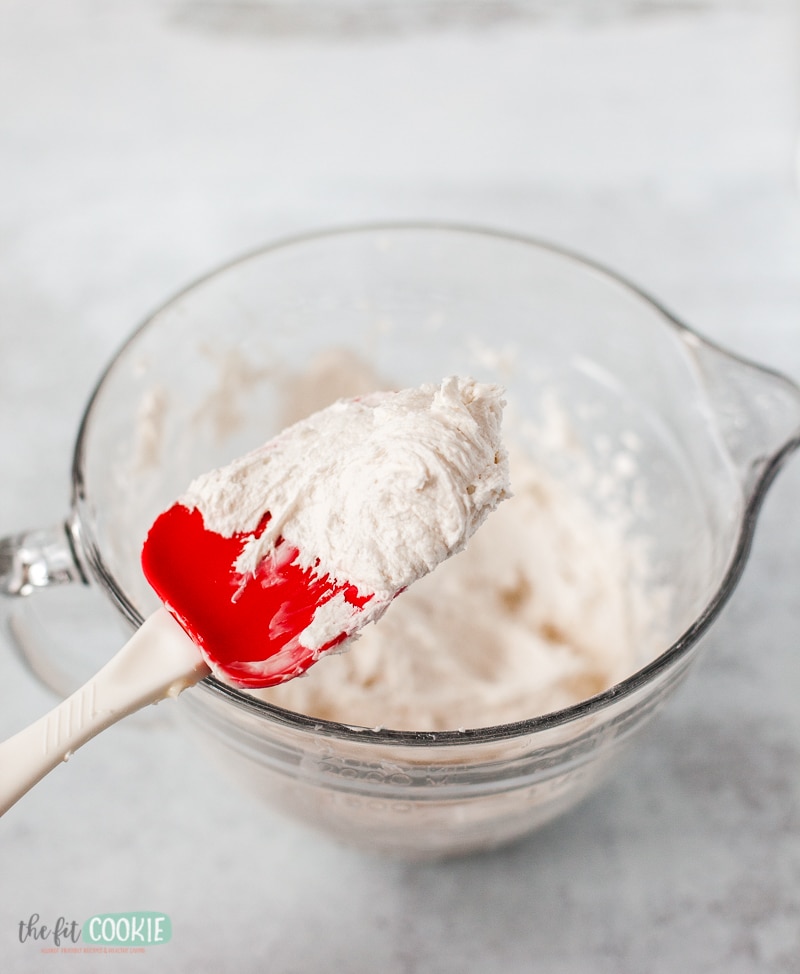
139,145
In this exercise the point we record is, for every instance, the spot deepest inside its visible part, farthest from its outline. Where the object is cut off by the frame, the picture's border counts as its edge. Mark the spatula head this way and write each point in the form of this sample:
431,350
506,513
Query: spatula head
252,630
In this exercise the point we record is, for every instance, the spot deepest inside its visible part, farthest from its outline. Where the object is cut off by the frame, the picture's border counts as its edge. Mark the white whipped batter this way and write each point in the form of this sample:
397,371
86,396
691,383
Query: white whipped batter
374,492
548,604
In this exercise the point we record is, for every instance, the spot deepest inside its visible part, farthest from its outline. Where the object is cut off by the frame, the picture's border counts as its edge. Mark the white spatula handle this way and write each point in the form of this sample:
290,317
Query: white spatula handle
158,661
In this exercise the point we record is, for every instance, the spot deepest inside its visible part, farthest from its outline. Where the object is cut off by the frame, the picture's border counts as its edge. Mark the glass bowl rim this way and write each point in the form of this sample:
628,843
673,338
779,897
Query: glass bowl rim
591,706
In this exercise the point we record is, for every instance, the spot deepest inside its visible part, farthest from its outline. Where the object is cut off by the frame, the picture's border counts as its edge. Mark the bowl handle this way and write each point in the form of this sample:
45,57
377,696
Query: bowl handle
756,410
36,559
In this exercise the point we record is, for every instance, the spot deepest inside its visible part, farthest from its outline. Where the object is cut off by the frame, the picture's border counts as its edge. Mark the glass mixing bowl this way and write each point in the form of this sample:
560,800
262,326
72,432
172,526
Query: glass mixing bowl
206,378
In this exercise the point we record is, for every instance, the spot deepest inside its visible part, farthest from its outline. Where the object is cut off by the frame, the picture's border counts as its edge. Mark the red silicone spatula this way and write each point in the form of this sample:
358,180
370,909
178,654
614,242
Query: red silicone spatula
251,629
248,629
253,608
